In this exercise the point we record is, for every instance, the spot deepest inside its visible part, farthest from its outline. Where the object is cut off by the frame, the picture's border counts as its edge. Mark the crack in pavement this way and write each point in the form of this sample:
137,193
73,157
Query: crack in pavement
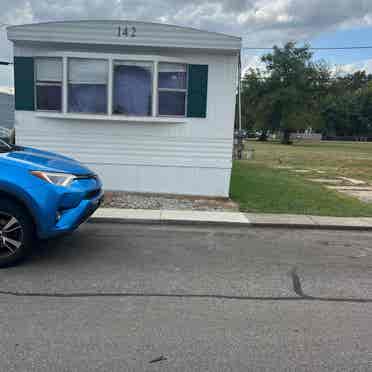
185,296
296,282
140,294
297,287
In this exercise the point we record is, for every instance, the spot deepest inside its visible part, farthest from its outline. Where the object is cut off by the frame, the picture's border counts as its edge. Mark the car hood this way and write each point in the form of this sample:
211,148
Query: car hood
35,159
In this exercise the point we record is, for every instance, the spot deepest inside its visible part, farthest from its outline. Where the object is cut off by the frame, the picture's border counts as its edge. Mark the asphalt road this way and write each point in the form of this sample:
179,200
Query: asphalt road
167,298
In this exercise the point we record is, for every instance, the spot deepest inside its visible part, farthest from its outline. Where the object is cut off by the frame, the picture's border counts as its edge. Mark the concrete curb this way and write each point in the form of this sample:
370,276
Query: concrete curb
310,226
139,221
227,224
229,219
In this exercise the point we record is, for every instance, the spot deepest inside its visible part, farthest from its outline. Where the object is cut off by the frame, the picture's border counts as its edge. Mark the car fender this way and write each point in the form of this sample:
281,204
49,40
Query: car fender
22,196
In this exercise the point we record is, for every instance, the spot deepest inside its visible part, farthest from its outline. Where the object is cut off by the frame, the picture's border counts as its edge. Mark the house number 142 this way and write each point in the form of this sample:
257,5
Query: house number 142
127,31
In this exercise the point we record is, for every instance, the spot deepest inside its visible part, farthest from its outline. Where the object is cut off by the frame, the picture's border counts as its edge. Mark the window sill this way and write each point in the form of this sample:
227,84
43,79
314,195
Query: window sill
122,118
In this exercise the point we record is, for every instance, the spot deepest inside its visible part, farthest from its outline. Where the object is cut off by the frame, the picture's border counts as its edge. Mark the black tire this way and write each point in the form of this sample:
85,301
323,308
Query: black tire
16,240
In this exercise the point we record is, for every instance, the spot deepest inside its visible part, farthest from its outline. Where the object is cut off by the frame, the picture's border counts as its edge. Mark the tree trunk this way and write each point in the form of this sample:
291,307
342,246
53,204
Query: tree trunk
286,139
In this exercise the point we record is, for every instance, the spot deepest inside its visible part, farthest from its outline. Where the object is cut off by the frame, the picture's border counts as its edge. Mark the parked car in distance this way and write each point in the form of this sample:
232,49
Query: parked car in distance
42,195
245,134
240,133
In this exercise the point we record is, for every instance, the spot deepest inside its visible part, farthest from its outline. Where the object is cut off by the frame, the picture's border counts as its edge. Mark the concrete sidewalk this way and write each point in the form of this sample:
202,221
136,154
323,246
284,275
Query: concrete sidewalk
229,219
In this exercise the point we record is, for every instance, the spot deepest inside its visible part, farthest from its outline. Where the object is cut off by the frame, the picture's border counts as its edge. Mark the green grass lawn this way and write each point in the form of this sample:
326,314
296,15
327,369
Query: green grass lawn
350,159
259,186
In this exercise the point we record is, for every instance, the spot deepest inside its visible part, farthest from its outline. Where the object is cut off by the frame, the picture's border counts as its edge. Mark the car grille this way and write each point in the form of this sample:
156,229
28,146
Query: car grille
86,177
92,194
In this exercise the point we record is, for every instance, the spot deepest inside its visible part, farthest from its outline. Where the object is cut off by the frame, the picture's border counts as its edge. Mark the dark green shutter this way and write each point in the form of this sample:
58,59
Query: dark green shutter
197,91
24,83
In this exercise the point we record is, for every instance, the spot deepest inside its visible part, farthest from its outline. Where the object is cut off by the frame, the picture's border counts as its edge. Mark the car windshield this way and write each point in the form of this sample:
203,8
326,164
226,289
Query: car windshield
5,147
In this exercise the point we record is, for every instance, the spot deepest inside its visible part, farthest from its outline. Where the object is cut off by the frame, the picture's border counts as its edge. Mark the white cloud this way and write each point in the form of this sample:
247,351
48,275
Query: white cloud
365,65
259,22
251,62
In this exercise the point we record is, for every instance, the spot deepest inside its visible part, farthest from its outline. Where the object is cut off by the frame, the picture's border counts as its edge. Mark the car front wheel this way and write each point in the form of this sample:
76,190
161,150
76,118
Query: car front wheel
16,232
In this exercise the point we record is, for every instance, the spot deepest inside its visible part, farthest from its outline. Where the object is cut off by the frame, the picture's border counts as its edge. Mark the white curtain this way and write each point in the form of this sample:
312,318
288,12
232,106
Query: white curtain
49,69
171,67
87,71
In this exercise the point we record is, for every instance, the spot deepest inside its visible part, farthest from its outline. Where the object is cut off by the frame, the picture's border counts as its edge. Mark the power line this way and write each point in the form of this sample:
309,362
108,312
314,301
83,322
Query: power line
317,48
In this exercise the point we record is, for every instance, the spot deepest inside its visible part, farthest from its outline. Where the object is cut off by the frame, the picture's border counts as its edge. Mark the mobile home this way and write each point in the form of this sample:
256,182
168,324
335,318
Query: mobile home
150,107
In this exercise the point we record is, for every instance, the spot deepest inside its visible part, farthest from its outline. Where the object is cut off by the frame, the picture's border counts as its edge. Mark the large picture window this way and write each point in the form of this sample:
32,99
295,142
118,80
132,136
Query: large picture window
132,93
172,89
87,85
108,86
48,74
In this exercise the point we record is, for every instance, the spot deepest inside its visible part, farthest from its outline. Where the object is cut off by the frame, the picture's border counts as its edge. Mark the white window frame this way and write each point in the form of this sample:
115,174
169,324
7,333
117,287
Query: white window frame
185,90
49,83
153,92
110,58
108,89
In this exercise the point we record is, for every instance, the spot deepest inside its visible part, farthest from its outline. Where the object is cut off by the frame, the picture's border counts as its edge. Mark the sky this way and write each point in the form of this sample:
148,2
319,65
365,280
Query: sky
261,23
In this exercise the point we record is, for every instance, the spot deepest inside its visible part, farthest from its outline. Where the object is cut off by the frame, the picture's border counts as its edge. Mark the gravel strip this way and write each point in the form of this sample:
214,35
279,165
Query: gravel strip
167,202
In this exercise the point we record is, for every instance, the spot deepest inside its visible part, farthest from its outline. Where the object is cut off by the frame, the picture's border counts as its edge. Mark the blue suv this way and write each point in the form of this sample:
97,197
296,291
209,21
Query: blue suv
42,195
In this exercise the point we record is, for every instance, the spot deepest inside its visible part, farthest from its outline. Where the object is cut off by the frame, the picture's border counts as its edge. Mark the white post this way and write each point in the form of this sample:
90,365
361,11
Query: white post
240,92
64,84
110,86
155,90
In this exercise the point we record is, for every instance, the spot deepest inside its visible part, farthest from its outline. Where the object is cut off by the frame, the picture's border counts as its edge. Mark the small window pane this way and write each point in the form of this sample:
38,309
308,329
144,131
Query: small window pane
87,98
49,69
172,76
49,97
87,85
48,83
172,103
87,71
132,88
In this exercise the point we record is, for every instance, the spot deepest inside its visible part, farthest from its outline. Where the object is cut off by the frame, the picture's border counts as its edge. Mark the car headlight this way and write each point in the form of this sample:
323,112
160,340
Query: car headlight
59,179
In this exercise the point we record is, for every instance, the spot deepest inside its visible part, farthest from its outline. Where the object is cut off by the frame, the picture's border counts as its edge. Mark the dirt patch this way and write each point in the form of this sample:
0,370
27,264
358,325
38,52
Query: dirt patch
352,181
326,181
349,186
363,195
301,170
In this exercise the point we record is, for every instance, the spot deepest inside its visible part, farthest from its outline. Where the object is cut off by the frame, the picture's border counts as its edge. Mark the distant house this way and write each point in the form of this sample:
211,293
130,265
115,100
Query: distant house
150,107
6,110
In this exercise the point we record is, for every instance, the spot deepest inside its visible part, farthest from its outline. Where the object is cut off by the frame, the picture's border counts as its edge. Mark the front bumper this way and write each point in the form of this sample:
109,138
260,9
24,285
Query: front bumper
65,209
71,219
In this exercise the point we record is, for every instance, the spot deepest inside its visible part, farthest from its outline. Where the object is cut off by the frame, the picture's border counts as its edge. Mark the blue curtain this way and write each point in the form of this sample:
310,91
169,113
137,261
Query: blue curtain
172,103
88,98
132,90
49,97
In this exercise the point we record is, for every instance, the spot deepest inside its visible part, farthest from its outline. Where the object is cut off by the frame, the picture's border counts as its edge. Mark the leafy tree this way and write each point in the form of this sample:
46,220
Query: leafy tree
347,108
293,92
252,86
286,95
350,82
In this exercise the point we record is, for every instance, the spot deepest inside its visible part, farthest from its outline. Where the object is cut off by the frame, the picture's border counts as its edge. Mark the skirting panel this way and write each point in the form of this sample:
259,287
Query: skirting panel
169,180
